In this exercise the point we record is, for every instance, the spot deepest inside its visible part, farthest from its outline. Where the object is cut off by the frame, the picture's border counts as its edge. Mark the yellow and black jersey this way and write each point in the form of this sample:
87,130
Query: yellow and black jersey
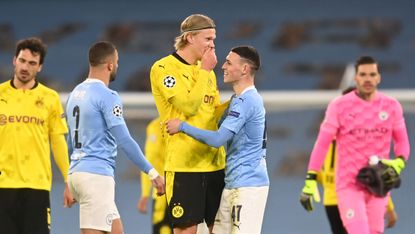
27,120
188,93
327,176
154,151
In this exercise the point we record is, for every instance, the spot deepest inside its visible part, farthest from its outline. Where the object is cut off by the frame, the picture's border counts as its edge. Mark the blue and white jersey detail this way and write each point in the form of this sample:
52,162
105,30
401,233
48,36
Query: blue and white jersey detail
92,110
245,160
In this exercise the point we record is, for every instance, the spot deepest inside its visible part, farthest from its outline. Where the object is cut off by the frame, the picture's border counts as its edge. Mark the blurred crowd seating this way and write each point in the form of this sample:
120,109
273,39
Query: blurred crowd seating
297,53
302,49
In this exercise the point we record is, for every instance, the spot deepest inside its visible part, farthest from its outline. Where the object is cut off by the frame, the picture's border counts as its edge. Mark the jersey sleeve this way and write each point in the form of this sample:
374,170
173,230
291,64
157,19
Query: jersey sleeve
330,123
327,132
165,80
400,134
112,109
236,115
57,122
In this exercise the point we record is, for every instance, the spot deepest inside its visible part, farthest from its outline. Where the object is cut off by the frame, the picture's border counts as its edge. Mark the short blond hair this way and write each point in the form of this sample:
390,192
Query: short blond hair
192,24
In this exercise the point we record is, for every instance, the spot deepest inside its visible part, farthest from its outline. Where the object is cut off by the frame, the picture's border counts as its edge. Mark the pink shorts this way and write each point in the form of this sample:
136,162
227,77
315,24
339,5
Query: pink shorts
359,206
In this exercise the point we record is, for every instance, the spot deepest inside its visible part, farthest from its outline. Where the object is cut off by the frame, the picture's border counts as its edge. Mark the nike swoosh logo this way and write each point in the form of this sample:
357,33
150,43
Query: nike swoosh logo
3,100
185,76
162,66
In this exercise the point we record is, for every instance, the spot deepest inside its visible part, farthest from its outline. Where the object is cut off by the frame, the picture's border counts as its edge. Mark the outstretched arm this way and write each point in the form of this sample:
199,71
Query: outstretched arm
134,153
212,138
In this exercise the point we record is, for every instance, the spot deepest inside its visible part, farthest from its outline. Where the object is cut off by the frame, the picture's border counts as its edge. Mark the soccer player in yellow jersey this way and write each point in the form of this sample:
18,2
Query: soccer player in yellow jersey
31,122
184,87
327,177
154,151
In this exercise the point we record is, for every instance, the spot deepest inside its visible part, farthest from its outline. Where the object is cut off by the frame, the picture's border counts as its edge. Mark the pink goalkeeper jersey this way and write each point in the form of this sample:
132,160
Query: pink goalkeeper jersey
362,129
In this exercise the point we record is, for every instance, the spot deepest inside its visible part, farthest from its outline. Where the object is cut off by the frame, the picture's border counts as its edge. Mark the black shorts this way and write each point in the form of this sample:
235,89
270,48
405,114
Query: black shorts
335,221
195,197
24,211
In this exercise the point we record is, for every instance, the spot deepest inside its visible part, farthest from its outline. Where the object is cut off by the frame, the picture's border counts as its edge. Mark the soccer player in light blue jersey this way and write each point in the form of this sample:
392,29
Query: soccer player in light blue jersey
243,131
97,127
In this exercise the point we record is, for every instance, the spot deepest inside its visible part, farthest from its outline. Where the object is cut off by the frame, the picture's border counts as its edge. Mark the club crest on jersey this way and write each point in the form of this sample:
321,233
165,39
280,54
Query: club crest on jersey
350,214
383,115
169,81
117,111
39,102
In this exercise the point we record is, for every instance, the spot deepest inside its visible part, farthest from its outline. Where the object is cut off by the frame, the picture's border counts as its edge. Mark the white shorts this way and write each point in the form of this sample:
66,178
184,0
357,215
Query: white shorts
95,195
241,210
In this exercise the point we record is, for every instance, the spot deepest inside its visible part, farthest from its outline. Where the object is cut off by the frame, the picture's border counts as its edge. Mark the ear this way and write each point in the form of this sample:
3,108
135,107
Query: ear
190,38
40,68
245,68
14,61
110,66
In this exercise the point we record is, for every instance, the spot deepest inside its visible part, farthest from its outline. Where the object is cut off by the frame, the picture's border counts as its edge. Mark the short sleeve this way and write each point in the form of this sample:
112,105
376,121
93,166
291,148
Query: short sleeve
165,80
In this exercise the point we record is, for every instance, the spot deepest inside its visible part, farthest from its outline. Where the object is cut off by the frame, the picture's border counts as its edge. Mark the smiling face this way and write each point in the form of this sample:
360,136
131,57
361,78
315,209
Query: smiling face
26,67
367,79
232,68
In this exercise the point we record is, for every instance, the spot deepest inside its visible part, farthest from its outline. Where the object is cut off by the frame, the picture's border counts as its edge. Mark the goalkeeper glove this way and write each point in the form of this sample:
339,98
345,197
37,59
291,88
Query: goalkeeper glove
310,191
398,164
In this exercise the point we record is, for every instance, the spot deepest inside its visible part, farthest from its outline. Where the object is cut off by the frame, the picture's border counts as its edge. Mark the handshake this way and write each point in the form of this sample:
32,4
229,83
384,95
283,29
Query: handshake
379,178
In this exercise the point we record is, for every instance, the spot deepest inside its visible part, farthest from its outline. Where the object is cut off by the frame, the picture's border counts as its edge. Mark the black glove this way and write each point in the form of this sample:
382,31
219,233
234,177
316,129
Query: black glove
379,179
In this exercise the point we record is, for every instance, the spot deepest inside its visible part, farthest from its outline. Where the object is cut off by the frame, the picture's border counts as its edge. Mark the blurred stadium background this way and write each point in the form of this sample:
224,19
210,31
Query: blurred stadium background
305,46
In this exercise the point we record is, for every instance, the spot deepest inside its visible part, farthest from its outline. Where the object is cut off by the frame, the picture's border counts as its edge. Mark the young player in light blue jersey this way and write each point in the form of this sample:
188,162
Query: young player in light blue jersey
97,127
243,131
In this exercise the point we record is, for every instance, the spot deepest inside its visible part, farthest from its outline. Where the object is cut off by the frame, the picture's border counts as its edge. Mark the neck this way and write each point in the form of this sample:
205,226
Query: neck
239,87
366,96
187,55
25,86
99,74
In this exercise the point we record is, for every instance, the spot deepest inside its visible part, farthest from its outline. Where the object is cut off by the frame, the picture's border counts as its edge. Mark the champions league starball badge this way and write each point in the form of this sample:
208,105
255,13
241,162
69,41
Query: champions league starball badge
169,81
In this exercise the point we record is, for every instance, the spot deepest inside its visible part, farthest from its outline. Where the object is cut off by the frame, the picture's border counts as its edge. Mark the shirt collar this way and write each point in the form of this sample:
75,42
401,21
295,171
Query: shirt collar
93,80
247,89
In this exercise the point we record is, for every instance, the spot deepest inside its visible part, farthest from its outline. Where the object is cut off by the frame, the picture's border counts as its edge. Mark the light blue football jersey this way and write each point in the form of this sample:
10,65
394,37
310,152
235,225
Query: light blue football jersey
246,150
92,109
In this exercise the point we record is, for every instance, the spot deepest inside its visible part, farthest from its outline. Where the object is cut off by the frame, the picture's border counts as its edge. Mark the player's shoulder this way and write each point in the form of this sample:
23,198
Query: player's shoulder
4,85
164,63
46,90
343,98
102,90
109,94
250,98
387,97
154,125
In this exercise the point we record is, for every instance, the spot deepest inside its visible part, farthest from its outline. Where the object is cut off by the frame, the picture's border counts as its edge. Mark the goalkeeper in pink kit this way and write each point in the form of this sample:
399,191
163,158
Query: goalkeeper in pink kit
364,123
